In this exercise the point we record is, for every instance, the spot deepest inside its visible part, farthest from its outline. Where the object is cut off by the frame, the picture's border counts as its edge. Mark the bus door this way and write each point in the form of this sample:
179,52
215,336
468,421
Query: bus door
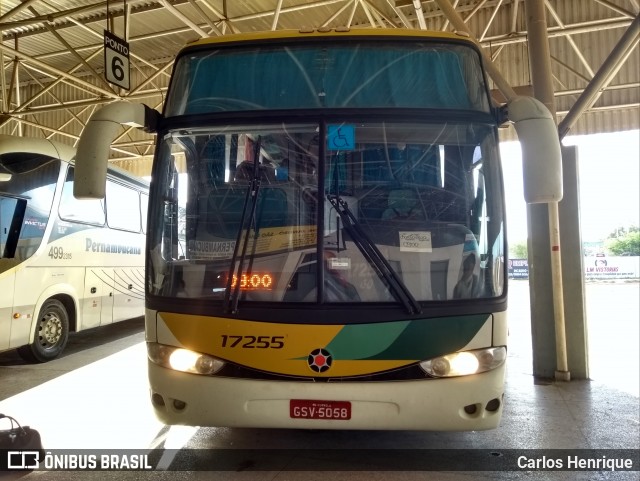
128,298
11,215
92,300
106,313
98,297
7,283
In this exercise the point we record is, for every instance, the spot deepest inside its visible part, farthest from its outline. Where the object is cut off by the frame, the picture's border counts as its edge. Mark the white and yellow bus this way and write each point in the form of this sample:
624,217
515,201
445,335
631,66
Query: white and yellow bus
326,244
65,264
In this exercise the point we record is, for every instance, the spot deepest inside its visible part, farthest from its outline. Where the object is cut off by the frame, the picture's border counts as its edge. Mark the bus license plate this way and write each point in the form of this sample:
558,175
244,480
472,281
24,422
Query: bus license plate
309,409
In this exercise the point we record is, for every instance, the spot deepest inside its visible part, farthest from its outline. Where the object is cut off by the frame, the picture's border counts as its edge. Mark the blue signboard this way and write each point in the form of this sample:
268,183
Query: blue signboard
341,137
518,269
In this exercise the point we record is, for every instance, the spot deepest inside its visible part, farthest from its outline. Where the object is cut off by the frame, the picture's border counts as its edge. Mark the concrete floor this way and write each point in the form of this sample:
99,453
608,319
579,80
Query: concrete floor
95,398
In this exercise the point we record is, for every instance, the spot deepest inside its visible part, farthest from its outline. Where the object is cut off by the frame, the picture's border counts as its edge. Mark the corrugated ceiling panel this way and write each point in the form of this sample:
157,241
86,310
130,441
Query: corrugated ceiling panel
576,11
140,167
607,121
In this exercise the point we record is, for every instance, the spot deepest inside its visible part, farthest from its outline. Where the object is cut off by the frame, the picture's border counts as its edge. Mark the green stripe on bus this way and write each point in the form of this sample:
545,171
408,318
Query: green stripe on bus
411,340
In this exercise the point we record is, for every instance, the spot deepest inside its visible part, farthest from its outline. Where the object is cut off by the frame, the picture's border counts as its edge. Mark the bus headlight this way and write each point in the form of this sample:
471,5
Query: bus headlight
183,359
465,363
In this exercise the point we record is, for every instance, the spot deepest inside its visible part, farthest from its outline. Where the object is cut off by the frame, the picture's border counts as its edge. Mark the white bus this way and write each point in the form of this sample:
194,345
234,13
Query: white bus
65,264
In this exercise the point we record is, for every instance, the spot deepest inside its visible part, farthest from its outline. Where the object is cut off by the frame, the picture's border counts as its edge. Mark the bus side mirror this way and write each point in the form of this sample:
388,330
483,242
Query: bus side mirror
92,154
541,155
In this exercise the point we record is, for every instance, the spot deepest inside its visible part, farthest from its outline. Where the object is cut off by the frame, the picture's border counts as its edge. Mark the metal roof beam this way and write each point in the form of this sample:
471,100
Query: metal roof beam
294,8
224,20
493,71
405,21
445,25
491,19
98,100
354,5
52,17
616,8
378,13
276,15
569,38
571,69
214,28
475,10
73,52
53,84
366,11
151,79
183,18
137,57
553,32
625,46
57,99
563,93
60,127
514,15
17,9
417,6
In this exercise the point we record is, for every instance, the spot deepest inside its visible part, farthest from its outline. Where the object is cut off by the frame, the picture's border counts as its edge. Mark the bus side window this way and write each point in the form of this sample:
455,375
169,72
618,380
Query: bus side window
120,200
90,211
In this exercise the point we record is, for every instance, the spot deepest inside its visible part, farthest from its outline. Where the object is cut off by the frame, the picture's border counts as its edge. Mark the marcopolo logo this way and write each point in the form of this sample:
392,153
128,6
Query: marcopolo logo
320,360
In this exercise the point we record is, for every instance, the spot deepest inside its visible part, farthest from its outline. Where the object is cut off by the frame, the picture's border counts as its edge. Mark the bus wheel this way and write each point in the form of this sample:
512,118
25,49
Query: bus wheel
52,333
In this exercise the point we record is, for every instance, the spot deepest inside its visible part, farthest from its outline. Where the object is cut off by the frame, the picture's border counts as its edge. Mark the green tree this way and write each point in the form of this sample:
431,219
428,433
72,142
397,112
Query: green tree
518,250
623,231
628,245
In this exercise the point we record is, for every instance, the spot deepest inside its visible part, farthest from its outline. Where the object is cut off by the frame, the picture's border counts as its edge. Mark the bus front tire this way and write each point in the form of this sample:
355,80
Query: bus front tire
52,333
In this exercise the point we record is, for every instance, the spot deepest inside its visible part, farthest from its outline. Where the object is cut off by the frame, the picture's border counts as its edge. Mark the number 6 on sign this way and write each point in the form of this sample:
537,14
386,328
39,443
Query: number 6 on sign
116,60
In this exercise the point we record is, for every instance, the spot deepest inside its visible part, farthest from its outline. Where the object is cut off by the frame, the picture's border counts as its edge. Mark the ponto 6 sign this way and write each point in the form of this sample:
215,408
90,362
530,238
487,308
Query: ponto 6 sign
116,60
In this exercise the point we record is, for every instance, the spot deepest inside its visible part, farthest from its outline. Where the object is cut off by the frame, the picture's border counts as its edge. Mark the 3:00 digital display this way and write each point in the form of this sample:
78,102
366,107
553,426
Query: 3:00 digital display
253,281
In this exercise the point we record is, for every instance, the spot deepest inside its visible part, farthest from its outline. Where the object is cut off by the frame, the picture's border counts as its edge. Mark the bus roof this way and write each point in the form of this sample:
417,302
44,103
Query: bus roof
330,33
13,143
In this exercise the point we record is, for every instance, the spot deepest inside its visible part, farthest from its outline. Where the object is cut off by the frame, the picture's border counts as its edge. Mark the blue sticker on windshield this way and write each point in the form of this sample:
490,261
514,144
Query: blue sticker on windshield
341,137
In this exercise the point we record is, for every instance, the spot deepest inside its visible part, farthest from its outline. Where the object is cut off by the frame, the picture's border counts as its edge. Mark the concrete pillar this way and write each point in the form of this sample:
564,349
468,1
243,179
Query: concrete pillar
573,266
542,283
541,292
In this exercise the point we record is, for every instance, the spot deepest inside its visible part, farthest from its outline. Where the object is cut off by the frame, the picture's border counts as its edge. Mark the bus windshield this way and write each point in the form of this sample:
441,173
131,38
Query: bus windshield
26,196
358,74
398,212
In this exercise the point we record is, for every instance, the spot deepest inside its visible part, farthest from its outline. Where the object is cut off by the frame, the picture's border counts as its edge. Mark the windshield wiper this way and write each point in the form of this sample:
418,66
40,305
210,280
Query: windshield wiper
373,255
230,301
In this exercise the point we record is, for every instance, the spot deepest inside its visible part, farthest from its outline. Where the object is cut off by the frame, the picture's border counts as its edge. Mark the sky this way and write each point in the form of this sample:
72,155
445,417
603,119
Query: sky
609,184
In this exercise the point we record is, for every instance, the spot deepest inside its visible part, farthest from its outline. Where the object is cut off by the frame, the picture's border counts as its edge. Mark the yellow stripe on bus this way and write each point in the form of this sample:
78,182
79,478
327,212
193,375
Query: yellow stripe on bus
272,347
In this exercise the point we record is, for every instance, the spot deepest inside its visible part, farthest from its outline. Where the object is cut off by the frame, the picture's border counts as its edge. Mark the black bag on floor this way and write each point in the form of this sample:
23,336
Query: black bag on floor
20,447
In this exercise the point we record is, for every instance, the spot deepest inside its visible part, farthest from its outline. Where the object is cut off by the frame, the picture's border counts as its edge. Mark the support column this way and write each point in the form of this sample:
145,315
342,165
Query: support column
573,266
541,292
545,273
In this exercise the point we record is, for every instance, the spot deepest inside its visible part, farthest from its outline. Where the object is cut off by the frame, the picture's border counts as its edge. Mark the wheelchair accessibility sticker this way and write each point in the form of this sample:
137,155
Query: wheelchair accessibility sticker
341,137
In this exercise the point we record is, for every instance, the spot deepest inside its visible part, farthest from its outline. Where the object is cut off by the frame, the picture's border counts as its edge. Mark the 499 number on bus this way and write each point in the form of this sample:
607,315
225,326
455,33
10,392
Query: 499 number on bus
308,409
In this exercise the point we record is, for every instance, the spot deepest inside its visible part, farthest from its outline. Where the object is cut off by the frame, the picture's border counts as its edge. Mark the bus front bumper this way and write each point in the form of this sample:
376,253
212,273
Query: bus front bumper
430,404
